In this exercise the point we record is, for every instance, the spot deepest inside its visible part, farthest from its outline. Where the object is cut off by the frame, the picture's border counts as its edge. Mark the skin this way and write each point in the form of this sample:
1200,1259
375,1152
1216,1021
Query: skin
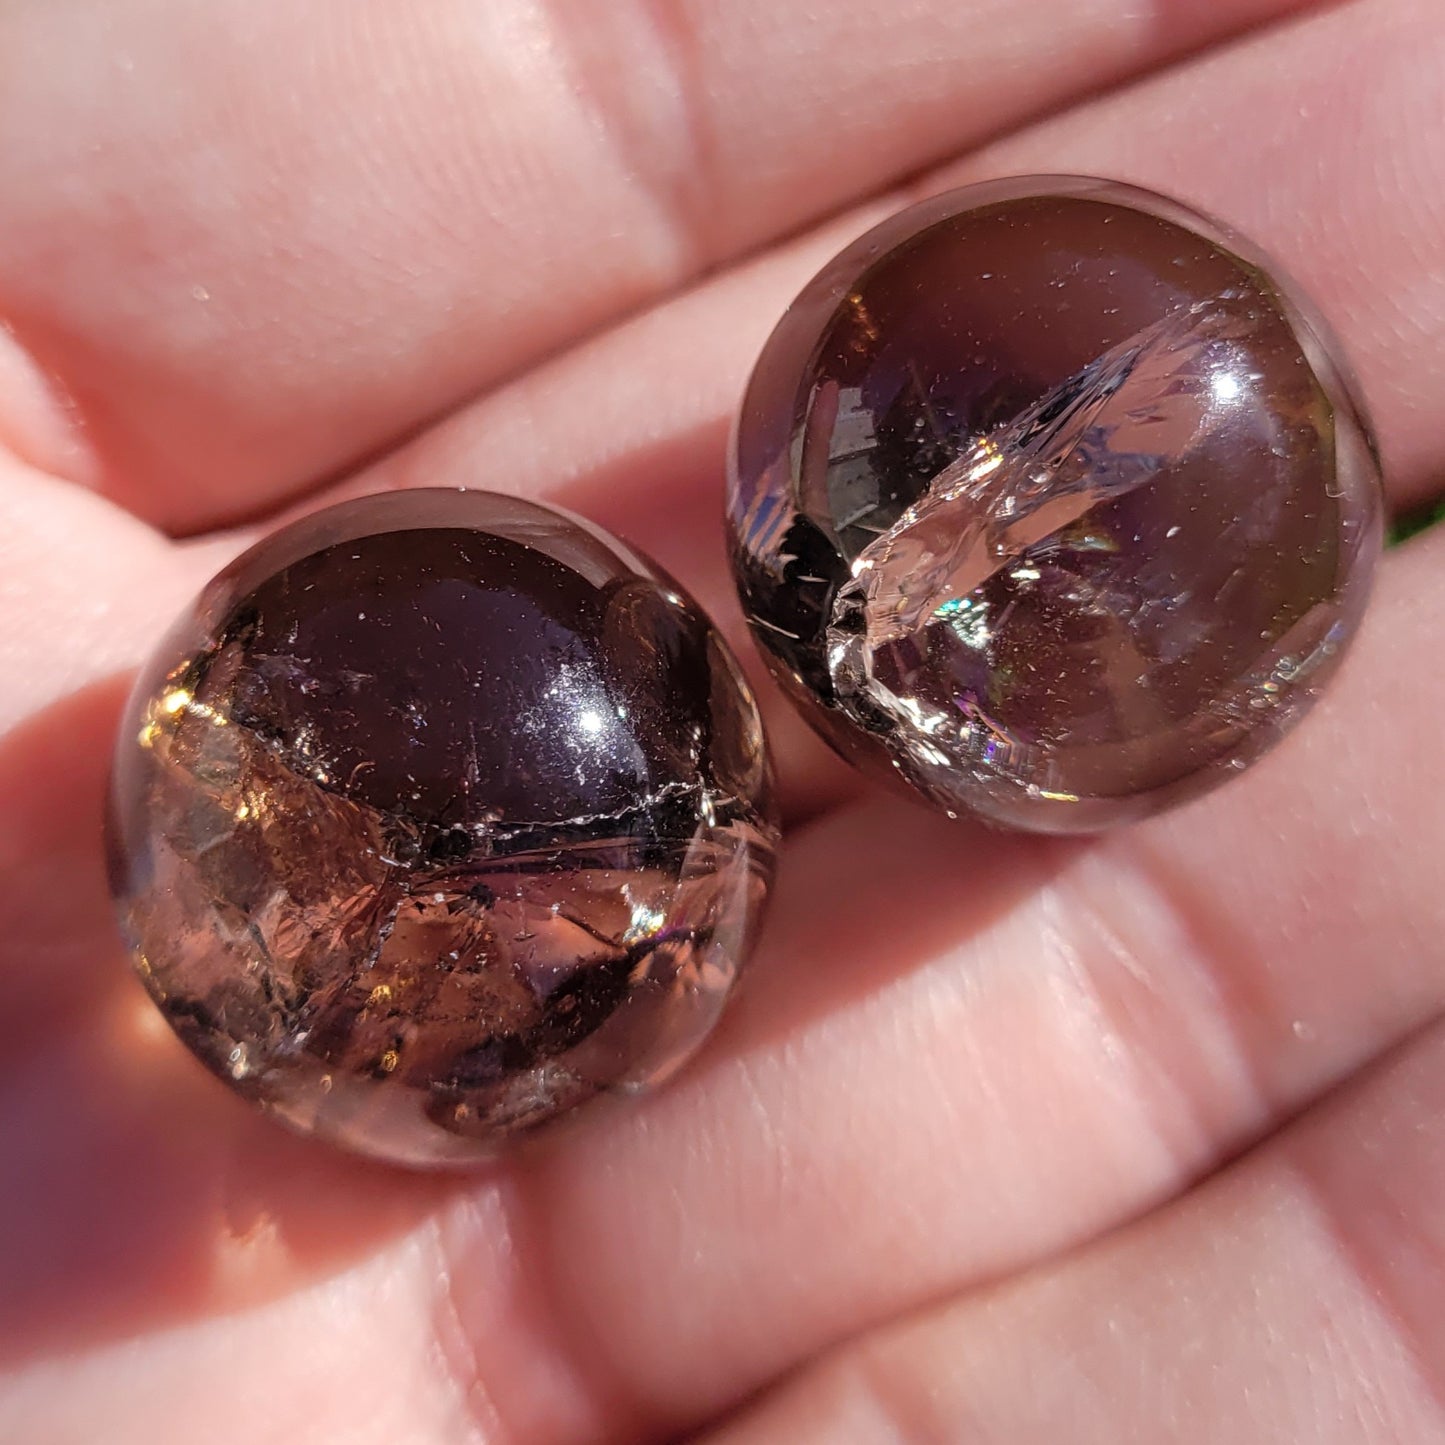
1134,1139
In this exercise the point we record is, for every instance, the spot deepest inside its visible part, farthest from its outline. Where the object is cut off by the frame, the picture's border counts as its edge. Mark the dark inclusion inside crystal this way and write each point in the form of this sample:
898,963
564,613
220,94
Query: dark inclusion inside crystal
1051,505
429,834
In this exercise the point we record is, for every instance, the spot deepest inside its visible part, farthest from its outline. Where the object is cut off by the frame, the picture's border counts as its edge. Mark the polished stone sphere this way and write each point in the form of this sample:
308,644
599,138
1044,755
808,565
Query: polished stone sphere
1049,500
438,814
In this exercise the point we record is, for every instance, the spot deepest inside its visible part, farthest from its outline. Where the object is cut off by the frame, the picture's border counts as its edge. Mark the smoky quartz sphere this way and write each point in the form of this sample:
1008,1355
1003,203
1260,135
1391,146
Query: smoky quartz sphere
1049,499
437,815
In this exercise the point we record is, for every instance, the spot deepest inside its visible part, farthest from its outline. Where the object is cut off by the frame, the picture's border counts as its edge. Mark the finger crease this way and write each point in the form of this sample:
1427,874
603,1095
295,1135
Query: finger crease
648,101
1367,1270
1168,977
456,1353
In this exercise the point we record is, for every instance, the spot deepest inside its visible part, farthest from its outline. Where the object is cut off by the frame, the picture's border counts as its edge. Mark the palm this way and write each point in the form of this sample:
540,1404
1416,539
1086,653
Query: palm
260,242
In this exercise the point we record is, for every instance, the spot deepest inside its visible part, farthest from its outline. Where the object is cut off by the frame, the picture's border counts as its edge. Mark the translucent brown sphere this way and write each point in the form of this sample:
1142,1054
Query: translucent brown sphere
438,814
1049,499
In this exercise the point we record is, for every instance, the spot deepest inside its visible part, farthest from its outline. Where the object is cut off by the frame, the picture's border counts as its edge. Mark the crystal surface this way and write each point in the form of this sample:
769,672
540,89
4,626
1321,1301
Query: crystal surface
437,815
1049,500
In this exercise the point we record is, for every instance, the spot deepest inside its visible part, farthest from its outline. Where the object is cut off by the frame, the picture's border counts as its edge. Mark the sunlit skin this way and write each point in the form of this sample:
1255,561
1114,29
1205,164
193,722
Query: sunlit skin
1008,1139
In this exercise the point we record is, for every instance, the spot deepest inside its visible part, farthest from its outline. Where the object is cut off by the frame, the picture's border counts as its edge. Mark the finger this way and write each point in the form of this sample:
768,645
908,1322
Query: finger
1301,1296
254,242
958,1053
1282,160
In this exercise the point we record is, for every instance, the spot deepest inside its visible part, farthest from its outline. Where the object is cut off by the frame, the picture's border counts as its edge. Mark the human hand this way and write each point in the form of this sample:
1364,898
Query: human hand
968,1159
